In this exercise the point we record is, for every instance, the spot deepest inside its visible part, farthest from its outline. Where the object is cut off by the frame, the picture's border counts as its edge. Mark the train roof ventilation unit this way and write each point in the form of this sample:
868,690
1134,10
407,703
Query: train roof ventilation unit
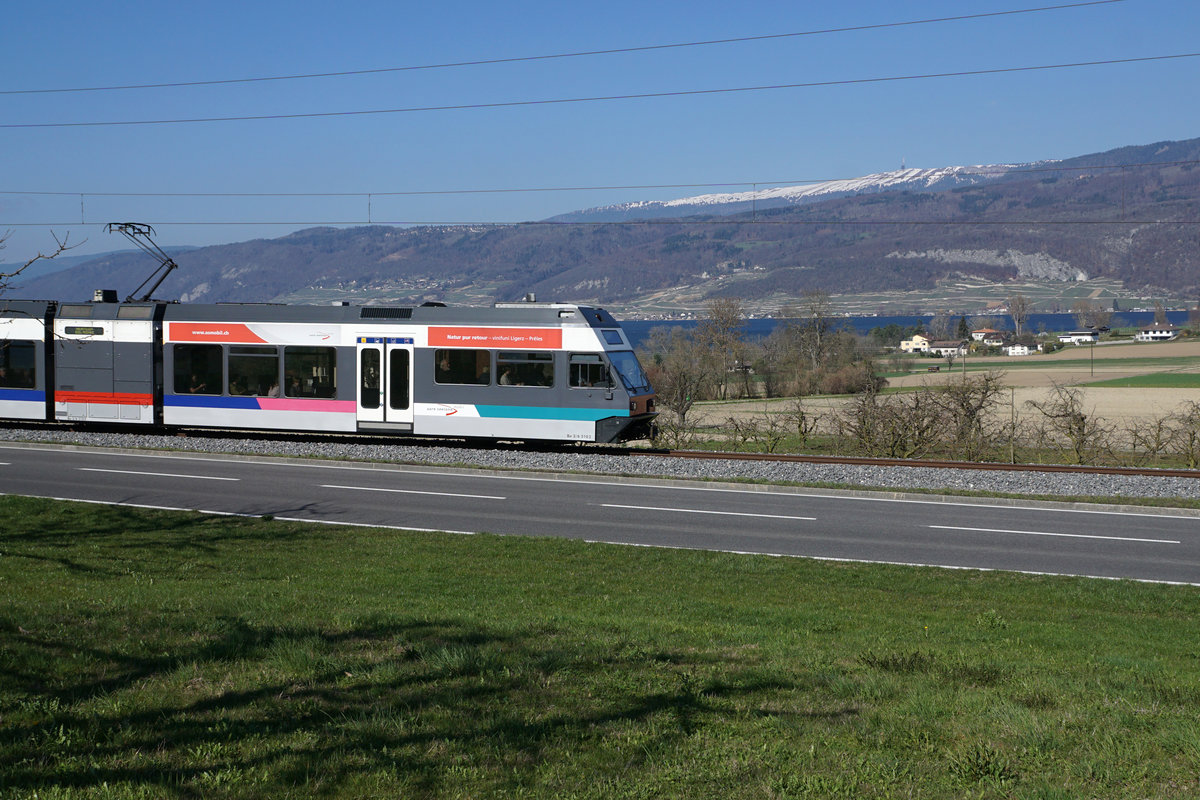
384,312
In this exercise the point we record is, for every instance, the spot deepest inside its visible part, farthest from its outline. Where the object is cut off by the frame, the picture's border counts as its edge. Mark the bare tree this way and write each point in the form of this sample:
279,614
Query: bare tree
984,323
765,432
721,332
682,372
1090,315
814,326
894,426
61,246
942,327
803,421
1186,441
1160,313
968,402
772,364
1019,308
1080,434
1150,438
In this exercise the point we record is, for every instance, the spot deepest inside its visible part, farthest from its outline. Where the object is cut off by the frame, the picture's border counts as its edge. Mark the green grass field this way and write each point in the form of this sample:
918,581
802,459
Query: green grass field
1159,380
1043,362
154,654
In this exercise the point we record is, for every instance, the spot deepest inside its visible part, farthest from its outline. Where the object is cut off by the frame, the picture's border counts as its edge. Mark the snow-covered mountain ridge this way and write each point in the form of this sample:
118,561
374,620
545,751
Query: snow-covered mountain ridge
906,179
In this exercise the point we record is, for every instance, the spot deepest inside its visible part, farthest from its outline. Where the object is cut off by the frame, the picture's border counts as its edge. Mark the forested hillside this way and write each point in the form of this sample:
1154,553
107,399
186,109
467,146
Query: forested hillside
1130,215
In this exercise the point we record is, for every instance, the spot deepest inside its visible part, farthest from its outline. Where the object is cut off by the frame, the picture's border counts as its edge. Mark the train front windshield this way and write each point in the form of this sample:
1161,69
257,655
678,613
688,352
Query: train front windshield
632,375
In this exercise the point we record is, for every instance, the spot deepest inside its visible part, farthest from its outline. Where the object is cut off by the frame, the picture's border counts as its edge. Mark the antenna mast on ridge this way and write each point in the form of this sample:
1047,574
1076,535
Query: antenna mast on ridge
132,231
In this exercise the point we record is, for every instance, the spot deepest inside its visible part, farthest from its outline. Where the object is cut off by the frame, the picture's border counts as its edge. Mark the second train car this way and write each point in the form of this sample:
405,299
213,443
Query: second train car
520,371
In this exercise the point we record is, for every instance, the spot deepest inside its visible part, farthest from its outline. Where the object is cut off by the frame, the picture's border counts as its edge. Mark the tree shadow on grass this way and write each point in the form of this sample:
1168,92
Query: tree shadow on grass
391,702
51,532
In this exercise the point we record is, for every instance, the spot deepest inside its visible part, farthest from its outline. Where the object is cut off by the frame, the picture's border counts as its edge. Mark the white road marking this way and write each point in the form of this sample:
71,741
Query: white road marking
1049,533
376,525
699,511
413,491
158,474
625,544
770,491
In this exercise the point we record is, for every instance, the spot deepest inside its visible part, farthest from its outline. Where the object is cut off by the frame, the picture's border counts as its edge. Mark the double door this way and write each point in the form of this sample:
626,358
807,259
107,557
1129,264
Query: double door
385,381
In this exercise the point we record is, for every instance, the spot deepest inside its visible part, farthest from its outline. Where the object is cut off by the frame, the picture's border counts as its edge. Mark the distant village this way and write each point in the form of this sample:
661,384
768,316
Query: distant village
989,341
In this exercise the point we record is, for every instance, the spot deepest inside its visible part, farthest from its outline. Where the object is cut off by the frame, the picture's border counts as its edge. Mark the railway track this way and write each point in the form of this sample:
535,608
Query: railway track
615,450
932,464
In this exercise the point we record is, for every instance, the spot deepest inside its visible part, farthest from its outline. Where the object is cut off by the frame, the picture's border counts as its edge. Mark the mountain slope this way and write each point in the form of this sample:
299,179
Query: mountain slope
729,203
1087,217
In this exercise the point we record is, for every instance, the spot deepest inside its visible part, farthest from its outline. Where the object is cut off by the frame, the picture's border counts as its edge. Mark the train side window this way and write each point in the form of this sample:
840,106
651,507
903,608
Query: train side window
612,337
254,371
471,367
197,368
398,380
17,364
588,370
309,372
368,390
520,368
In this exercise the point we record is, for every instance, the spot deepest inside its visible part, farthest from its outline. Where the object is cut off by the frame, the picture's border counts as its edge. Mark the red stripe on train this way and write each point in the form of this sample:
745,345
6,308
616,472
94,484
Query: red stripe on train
110,398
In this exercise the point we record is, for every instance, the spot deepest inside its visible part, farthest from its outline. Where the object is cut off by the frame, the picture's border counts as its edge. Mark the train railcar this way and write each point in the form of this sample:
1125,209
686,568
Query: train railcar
524,371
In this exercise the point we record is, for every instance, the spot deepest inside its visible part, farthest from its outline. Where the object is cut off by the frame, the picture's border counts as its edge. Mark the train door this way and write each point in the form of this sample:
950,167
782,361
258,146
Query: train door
385,381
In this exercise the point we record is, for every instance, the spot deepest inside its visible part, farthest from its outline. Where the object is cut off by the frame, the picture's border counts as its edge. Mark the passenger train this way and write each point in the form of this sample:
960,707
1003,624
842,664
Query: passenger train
514,371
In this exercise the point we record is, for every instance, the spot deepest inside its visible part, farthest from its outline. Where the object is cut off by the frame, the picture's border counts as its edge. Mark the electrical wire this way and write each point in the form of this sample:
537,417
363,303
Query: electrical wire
724,221
999,170
638,96
518,59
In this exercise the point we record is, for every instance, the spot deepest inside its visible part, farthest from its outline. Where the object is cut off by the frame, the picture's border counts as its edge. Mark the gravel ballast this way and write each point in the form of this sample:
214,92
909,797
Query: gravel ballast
895,478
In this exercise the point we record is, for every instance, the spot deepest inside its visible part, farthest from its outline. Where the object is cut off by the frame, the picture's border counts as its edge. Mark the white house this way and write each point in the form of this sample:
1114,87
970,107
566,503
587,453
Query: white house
1016,350
1156,332
948,349
917,344
1079,337
983,333
994,339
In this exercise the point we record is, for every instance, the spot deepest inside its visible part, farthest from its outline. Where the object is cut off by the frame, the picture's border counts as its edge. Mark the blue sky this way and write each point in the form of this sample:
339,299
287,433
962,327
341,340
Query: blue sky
756,137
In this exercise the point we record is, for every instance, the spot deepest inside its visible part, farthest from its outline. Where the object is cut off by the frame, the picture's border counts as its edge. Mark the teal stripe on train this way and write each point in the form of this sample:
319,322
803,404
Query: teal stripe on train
537,412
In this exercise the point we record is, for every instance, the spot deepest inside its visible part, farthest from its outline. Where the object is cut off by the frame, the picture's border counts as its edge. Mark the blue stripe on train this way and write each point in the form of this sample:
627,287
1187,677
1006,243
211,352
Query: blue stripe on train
28,395
210,401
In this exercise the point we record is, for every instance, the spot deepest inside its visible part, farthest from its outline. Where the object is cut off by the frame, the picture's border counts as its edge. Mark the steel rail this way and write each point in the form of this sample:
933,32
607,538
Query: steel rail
602,449
1153,472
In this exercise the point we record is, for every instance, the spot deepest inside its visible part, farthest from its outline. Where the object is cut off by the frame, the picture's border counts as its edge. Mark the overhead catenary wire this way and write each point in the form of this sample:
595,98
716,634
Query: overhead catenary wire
996,169
552,56
680,222
600,98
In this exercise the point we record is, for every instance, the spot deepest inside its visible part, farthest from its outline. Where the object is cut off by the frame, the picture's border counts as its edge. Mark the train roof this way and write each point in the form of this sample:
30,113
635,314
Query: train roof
24,308
517,313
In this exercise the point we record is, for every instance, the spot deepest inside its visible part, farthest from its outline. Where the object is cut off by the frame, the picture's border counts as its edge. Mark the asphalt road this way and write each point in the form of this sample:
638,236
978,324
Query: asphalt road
771,520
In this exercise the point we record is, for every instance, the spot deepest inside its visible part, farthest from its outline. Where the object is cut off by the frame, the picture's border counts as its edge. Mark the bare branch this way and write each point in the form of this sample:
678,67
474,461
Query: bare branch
61,246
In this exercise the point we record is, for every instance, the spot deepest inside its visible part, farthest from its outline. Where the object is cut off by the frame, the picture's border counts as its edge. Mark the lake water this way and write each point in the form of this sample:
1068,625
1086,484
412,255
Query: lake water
639,330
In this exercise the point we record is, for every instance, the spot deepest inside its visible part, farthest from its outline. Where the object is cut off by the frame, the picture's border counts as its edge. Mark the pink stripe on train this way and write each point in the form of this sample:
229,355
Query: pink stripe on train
300,404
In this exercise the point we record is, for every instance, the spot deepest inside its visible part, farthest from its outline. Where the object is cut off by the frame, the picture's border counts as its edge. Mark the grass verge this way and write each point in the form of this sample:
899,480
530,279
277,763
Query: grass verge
1160,380
152,654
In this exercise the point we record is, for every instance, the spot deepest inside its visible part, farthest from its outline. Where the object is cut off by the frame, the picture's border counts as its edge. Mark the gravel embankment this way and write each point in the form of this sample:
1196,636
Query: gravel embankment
892,478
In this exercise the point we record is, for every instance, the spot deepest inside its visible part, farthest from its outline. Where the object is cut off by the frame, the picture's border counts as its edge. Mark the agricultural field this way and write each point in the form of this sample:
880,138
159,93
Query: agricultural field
1119,381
